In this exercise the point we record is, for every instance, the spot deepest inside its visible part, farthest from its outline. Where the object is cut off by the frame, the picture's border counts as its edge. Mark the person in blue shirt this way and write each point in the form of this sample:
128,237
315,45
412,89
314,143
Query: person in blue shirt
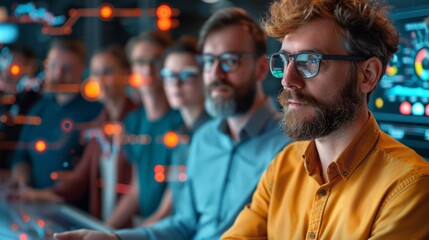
52,145
145,128
228,154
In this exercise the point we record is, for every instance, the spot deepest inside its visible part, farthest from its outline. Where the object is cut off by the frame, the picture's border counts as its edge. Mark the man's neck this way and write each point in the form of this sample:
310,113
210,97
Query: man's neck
155,104
114,108
330,147
236,123
191,113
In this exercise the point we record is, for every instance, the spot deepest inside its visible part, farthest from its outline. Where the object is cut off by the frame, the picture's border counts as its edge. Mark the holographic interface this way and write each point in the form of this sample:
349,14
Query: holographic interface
401,101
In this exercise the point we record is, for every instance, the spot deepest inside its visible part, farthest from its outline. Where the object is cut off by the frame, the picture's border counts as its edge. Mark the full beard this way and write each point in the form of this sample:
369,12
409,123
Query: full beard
326,118
238,102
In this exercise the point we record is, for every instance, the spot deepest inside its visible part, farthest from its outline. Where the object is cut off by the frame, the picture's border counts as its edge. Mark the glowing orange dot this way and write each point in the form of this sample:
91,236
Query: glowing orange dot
54,176
158,169
40,223
106,11
40,145
164,24
171,139
25,218
112,129
91,90
159,177
14,227
136,80
15,69
163,11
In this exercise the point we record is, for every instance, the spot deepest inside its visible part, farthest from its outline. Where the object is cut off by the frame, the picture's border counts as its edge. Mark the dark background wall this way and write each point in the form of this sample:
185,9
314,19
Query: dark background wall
96,32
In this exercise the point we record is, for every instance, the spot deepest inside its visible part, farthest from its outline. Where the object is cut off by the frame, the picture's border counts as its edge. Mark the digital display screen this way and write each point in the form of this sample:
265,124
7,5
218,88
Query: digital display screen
401,101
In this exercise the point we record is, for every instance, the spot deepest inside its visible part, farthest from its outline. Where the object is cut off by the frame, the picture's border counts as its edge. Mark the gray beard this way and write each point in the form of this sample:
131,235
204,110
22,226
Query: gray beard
222,108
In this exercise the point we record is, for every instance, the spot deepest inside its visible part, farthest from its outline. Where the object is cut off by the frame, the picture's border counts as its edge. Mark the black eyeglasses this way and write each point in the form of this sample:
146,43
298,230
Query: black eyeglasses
184,76
228,61
306,63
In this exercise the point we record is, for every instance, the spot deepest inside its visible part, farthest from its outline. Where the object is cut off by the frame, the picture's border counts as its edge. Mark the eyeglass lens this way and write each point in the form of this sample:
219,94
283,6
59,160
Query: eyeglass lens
307,64
185,75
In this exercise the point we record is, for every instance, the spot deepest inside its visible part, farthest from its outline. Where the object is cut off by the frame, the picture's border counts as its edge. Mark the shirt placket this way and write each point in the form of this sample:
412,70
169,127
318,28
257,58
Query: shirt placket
320,200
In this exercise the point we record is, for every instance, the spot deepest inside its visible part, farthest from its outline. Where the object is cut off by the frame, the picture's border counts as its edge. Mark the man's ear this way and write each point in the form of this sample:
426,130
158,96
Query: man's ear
262,67
370,72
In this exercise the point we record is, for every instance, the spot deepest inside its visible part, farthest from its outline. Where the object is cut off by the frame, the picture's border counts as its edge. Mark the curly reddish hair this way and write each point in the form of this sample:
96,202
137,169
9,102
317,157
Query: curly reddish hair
366,29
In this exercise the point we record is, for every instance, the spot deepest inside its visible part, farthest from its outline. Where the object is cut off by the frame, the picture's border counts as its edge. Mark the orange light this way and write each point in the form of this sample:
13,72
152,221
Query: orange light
164,24
112,129
106,11
158,169
25,218
54,175
40,145
171,139
163,11
91,90
40,223
136,80
14,227
15,69
159,177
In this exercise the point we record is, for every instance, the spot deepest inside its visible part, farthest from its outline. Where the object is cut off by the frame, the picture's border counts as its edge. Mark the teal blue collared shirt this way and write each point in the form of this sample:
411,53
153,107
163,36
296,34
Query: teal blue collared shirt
222,175
61,129
147,155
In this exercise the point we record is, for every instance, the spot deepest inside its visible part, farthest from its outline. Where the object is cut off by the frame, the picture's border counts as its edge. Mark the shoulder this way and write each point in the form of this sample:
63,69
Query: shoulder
208,130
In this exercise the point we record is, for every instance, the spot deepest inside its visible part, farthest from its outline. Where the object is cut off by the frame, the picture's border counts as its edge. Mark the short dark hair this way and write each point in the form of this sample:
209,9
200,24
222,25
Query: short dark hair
117,51
230,17
186,44
162,39
70,45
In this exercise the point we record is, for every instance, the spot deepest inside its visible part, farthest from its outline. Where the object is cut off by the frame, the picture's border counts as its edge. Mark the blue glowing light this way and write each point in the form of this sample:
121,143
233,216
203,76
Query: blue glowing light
418,109
38,14
8,33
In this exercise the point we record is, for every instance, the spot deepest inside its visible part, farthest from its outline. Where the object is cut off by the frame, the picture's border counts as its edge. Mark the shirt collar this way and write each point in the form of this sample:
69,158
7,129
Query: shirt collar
351,157
256,122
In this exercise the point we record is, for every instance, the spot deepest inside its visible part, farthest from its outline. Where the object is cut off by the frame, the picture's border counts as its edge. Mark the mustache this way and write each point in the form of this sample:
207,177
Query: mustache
300,97
219,83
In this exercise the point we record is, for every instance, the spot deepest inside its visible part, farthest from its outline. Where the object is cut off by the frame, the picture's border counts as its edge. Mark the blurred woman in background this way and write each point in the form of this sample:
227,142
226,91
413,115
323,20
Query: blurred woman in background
184,88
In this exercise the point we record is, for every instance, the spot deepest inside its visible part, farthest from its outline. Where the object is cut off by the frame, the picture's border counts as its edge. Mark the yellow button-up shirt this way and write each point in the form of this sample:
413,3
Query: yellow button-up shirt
377,189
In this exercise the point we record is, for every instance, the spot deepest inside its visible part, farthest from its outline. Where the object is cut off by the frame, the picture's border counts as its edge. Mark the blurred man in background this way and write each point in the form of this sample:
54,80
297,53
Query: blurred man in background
51,145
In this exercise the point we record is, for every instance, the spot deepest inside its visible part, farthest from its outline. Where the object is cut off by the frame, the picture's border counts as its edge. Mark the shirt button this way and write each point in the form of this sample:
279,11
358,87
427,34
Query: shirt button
322,192
312,235
345,174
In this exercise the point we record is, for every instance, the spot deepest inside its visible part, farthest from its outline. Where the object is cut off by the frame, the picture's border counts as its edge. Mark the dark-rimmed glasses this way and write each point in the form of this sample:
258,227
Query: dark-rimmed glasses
307,64
184,76
227,61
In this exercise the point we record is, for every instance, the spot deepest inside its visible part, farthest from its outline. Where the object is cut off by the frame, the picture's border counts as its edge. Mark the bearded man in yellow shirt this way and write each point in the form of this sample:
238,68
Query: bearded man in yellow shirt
343,178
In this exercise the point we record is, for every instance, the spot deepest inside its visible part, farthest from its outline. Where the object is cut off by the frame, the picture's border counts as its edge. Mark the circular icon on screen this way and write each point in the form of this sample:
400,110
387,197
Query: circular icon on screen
421,64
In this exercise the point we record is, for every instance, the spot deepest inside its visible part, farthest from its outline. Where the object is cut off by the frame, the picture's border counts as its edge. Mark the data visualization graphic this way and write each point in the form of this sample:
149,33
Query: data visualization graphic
401,101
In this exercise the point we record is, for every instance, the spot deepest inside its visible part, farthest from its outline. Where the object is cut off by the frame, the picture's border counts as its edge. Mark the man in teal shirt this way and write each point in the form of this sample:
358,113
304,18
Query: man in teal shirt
228,154
54,145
